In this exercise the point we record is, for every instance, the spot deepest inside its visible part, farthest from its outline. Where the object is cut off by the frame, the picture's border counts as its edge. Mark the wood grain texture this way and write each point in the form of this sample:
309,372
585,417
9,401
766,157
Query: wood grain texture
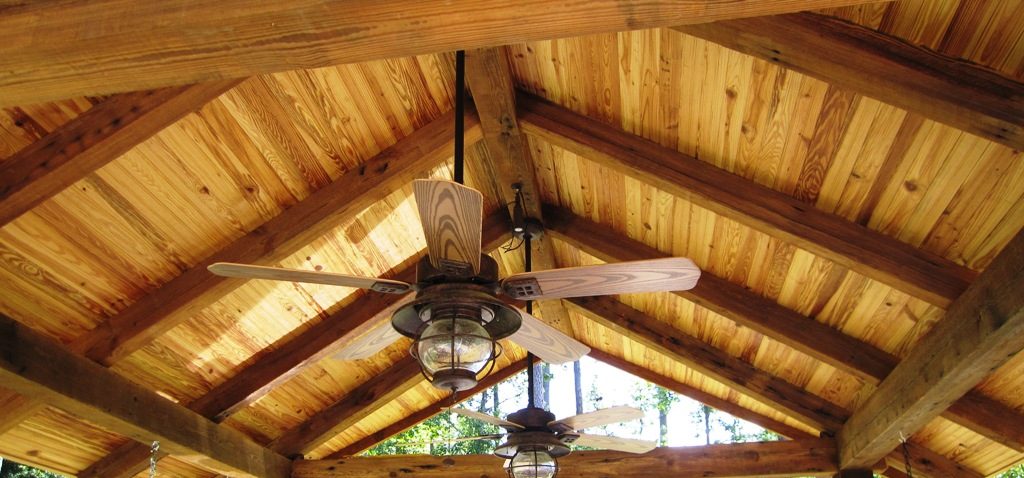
248,271
16,409
743,377
60,56
766,459
96,137
288,360
985,416
415,418
451,216
655,275
604,416
601,442
196,288
700,396
354,406
857,248
924,462
981,330
946,89
41,369
508,159
547,342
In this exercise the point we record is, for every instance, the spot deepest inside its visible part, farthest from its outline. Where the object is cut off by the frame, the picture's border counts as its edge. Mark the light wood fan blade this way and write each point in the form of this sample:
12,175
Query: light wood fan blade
369,343
452,218
496,436
670,273
246,271
493,420
547,342
597,418
628,445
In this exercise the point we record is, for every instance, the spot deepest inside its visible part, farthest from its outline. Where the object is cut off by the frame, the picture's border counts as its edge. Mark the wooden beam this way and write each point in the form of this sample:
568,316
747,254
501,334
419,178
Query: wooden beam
416,418
494,95
288,359
779,458
699,395
358,404
961,94
16,409
981,414
661,337
859,473
850,245
924,462
93,139
43,370
196,288
981,330
67,50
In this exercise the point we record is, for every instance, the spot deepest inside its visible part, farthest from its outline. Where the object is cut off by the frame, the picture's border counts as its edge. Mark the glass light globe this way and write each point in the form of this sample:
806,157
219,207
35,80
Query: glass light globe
532,463
454,344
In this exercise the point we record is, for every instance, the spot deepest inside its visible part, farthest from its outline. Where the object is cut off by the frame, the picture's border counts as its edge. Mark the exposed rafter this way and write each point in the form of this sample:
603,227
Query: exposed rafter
662,337
494,94
38,367
949,90
196,288
60,53
779,458
287,360
855,247
982,330
96,137
975,411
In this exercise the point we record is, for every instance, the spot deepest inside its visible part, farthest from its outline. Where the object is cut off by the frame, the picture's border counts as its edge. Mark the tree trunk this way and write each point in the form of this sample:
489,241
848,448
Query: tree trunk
483,402
495,409
579,386
707,423
663,427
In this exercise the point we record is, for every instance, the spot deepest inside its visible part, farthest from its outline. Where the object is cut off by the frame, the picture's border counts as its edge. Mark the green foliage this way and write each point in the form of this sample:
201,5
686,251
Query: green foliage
1015,472
10,469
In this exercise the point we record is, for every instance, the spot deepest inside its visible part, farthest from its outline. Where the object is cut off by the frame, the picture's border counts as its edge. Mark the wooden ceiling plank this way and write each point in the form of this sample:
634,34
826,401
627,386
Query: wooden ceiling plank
924,462
958,93
981,330
975,411
814,456
661,337
494,95
699,395
93,139
39,368
196,288
72,50
416,418
358,404
16,409
855,247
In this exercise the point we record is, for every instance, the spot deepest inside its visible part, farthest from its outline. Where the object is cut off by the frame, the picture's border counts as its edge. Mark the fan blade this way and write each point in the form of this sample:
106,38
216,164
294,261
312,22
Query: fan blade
547,342
597,418
495,436
629,445
483,417
246,271
670,273
369,343
452,218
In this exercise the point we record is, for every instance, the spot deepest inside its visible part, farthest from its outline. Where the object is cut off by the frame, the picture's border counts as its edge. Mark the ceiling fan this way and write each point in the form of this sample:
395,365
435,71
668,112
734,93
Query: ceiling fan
534,439
457,317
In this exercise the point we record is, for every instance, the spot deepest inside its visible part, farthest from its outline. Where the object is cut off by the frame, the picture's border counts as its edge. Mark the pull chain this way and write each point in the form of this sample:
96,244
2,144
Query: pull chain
906,455
153,449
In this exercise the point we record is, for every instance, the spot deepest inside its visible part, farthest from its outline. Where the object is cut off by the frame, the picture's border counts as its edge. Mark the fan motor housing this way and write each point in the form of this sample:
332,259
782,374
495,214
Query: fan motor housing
428,275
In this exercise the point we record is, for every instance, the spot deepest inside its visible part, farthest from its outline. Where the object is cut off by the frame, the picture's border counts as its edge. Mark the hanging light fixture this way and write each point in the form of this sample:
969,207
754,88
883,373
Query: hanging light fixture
533,451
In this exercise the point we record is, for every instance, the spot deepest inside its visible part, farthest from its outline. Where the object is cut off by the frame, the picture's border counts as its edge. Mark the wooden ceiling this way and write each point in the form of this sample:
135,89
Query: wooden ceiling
848,179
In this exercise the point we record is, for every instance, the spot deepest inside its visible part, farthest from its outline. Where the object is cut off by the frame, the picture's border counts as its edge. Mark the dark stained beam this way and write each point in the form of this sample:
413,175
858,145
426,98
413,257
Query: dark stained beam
288,359
416,418
661,337
74,49
850,245
93,139
43,370
959,93
196,288
494,95
765,459
700,396
981,330
981,414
